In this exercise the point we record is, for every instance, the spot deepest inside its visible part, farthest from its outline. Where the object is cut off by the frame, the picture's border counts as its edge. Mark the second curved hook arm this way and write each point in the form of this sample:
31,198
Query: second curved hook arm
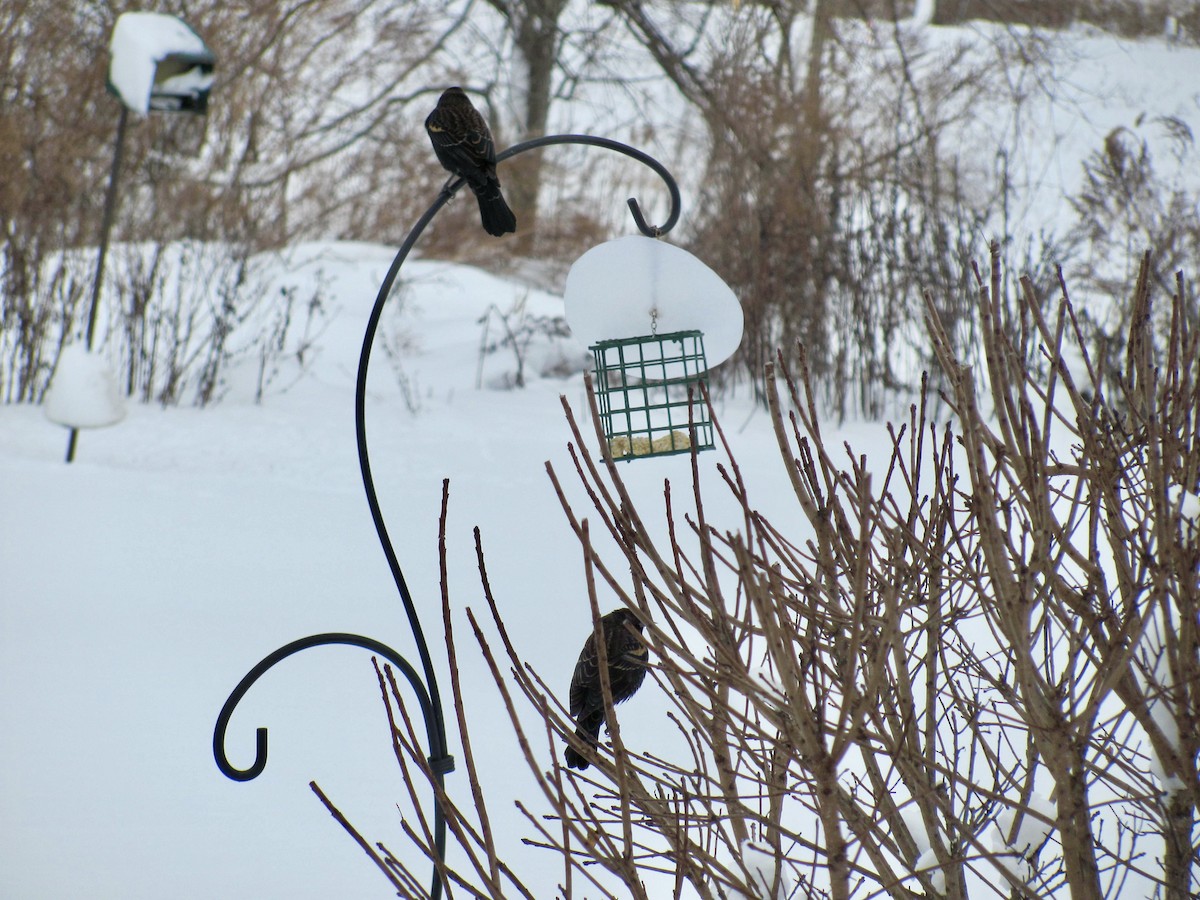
439,759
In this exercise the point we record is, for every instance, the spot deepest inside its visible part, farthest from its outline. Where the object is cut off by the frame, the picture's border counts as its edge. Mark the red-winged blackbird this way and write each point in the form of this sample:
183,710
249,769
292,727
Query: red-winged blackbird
626,671
463,145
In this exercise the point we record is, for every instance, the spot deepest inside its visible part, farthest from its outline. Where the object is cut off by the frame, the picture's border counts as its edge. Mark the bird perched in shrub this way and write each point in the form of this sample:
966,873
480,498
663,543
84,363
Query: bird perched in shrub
626,655
463,145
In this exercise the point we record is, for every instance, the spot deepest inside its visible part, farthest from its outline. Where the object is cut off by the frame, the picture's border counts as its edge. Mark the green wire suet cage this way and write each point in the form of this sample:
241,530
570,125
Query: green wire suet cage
649,397
651,391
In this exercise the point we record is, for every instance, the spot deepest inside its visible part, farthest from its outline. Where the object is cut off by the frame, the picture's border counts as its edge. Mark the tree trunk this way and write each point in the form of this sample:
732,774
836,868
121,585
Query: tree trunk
1177,832
534,25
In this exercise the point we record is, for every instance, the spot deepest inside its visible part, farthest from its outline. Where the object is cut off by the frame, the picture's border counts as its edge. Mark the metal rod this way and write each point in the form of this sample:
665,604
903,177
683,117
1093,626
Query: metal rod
437,741
110,213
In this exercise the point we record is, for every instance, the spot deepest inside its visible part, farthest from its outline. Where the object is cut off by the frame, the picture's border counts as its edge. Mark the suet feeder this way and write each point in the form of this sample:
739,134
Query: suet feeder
656,319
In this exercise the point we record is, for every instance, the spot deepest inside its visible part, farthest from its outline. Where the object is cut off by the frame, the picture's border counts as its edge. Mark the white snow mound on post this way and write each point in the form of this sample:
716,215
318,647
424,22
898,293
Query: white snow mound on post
83,392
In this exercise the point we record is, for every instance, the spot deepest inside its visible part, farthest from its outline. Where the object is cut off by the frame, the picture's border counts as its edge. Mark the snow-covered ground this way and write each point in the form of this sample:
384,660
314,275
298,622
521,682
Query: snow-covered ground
142,581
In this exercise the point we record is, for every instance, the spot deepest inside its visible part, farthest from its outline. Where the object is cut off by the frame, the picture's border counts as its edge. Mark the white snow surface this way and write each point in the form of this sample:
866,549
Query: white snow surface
84,391
140,41
1189,508
928,862
1033,830
141,582
915,822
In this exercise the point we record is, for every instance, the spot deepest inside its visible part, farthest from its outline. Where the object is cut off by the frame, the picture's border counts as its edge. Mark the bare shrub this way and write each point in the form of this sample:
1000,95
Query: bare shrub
40,300
837,185
520,331
973,671
398,343
1129,18
1128,203
1024,12
46,197
182,315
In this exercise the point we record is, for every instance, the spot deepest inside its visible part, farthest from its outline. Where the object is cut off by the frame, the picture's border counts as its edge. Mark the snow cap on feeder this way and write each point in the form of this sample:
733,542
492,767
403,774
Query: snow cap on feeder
159,62
656,318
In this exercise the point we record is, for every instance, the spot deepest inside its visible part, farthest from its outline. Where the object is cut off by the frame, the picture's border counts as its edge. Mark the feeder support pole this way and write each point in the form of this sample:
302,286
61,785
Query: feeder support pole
425,682
110,213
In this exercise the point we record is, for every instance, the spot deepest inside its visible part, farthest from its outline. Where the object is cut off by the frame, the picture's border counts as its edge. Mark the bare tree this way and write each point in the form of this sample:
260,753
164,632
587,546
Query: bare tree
534,25
834,188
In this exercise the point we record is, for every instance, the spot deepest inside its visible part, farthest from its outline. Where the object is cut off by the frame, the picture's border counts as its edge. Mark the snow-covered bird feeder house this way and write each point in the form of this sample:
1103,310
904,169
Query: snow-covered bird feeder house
160,63
656,318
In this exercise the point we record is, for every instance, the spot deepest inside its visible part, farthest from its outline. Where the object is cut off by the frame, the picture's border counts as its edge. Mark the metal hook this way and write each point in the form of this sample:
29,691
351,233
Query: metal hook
439,760
586,139
648,230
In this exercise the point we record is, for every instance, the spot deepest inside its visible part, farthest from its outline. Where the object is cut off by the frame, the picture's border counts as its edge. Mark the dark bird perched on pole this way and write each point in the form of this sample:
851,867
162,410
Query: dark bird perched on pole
626,655
463,145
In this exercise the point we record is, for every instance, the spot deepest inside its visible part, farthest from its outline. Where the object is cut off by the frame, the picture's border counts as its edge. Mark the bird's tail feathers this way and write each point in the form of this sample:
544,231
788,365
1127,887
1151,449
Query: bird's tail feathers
497,218
588,730
575,759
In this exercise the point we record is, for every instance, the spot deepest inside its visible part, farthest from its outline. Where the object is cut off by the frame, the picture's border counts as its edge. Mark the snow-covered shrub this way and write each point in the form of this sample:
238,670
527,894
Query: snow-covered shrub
837,193
184,314
1129,206
39,303
530,340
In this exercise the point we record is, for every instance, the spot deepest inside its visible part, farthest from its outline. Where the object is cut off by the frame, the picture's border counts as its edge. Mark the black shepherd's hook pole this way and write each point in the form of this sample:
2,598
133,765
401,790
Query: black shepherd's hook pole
428,697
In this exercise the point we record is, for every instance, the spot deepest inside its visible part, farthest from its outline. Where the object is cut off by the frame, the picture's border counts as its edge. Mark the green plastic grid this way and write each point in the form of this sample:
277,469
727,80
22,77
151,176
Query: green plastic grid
647,390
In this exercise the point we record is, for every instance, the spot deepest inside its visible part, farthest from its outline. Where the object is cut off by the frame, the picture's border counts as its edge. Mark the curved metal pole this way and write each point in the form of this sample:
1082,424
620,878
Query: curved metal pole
385,289
609,144
436,741
440,761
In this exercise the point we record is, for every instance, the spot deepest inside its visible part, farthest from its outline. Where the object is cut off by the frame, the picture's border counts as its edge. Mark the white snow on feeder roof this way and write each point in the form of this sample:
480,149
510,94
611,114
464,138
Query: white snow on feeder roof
83,392
140,41
635,286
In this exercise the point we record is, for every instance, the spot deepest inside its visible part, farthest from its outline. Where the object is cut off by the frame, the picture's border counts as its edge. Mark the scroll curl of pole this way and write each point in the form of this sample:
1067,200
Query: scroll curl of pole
428,697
